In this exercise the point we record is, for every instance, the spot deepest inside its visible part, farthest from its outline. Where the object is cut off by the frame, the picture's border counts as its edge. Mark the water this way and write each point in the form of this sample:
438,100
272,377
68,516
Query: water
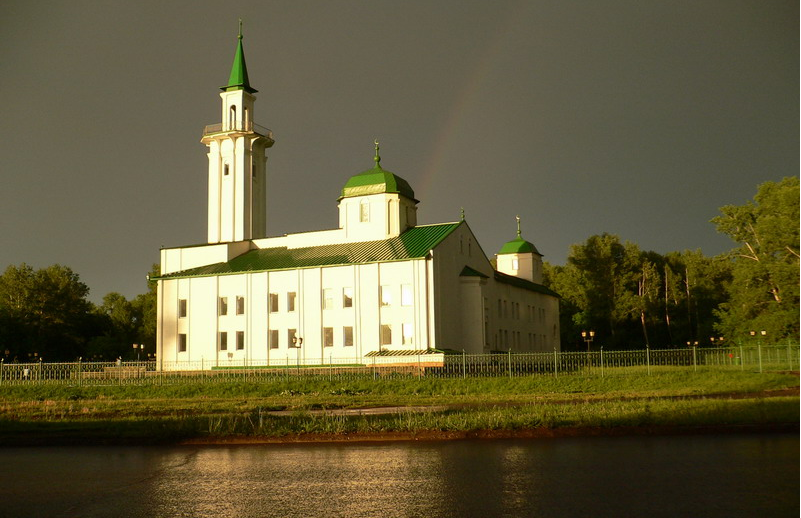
726,476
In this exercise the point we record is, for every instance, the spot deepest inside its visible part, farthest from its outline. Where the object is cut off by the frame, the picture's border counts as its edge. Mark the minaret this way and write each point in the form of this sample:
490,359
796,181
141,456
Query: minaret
237,161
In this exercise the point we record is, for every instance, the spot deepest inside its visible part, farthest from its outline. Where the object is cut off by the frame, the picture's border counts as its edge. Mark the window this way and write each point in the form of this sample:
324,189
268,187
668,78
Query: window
515,264
328,337
386,296
292,339
273,303
181,308
347,297
347,336
406,295
291,297
273,338
182,343
223,305
223,339
364,211
386,334
240,340
240,305
328,298
408,334
226,170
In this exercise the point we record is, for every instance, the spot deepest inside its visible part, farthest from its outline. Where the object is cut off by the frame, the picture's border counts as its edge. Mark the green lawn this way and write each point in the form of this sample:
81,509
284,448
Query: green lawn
54,413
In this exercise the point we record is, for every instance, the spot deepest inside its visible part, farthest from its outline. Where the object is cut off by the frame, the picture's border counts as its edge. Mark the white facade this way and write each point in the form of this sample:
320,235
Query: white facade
378,282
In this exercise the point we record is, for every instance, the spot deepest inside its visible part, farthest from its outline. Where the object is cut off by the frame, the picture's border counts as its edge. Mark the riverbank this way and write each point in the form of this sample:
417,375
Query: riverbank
436,409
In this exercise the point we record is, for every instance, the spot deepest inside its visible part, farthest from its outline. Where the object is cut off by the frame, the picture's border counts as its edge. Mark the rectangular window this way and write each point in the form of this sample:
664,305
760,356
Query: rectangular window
181,308
273,303
347,297
182,343
515,264
223,305
408,334
223,339
240,340
347,336
328,298
291,298
226,170
406,295
364,212
273,338
328,337
386,296
386,334
240,305
291,337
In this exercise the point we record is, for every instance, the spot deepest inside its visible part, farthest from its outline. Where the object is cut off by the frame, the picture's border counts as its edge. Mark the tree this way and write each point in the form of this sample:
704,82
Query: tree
45,313
764,292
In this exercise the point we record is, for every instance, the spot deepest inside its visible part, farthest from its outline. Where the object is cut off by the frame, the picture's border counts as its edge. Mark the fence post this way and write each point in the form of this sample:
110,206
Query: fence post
80,375
695,360
464,366
2,364
373,367
648,359
419,367
742,358
555,364
759,354
602,361
330,367
510,363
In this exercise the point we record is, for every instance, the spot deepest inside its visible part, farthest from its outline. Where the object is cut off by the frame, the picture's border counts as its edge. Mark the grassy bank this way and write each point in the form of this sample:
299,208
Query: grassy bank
51,414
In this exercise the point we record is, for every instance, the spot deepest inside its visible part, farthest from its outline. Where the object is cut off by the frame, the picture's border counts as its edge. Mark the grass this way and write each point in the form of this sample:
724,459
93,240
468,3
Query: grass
131,413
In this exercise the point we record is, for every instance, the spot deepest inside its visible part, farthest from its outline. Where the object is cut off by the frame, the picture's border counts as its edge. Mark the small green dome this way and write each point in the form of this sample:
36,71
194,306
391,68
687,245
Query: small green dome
376,181
518,246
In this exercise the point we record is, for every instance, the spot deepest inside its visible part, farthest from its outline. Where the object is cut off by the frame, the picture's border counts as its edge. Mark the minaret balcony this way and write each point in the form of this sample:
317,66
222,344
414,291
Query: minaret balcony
238,127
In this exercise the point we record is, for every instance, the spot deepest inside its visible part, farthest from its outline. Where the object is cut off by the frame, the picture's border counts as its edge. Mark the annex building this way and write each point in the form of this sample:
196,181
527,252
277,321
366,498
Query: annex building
378,283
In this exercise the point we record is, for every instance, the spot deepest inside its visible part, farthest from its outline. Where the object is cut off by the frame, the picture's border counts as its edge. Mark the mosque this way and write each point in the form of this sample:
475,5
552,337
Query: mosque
379,284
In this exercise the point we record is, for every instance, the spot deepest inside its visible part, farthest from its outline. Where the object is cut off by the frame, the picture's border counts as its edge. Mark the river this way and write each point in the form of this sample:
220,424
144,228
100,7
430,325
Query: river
710,476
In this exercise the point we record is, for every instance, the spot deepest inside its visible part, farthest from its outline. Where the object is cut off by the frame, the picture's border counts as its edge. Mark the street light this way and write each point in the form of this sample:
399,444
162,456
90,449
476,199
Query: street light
138,348
588,337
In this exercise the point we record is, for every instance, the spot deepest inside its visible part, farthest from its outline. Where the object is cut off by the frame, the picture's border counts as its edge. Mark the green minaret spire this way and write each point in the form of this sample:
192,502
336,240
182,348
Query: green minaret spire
238,79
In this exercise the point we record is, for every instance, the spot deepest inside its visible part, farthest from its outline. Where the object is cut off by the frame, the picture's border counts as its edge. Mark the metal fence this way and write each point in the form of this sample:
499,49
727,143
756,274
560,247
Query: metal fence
424,365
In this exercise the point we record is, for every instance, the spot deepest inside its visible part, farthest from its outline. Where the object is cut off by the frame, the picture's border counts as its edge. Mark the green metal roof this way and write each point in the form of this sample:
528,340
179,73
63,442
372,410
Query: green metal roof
376,181
469,272
518,246
412,244
238,80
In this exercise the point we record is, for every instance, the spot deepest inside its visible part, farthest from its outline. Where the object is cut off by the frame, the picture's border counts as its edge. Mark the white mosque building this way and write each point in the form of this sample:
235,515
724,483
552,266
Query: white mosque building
380,284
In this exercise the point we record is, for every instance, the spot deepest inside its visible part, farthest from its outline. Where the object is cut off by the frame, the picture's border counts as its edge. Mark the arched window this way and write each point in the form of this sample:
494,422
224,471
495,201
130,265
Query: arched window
232,118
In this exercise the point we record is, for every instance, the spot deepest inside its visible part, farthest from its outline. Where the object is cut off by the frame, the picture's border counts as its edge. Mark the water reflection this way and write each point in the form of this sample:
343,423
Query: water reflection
669,476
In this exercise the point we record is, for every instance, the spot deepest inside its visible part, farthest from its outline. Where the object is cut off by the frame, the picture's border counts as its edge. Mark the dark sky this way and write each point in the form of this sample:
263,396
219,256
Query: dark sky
638,118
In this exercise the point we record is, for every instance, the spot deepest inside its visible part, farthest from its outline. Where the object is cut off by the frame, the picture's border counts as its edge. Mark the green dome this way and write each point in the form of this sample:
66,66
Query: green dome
518,246
376,181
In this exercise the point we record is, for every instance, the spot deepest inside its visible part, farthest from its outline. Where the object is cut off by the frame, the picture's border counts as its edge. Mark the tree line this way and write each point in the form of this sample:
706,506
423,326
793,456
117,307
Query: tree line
630,298
633,298
45,314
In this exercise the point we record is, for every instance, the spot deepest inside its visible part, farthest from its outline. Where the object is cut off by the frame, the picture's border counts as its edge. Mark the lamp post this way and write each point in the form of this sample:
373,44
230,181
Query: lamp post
138,348
588,337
